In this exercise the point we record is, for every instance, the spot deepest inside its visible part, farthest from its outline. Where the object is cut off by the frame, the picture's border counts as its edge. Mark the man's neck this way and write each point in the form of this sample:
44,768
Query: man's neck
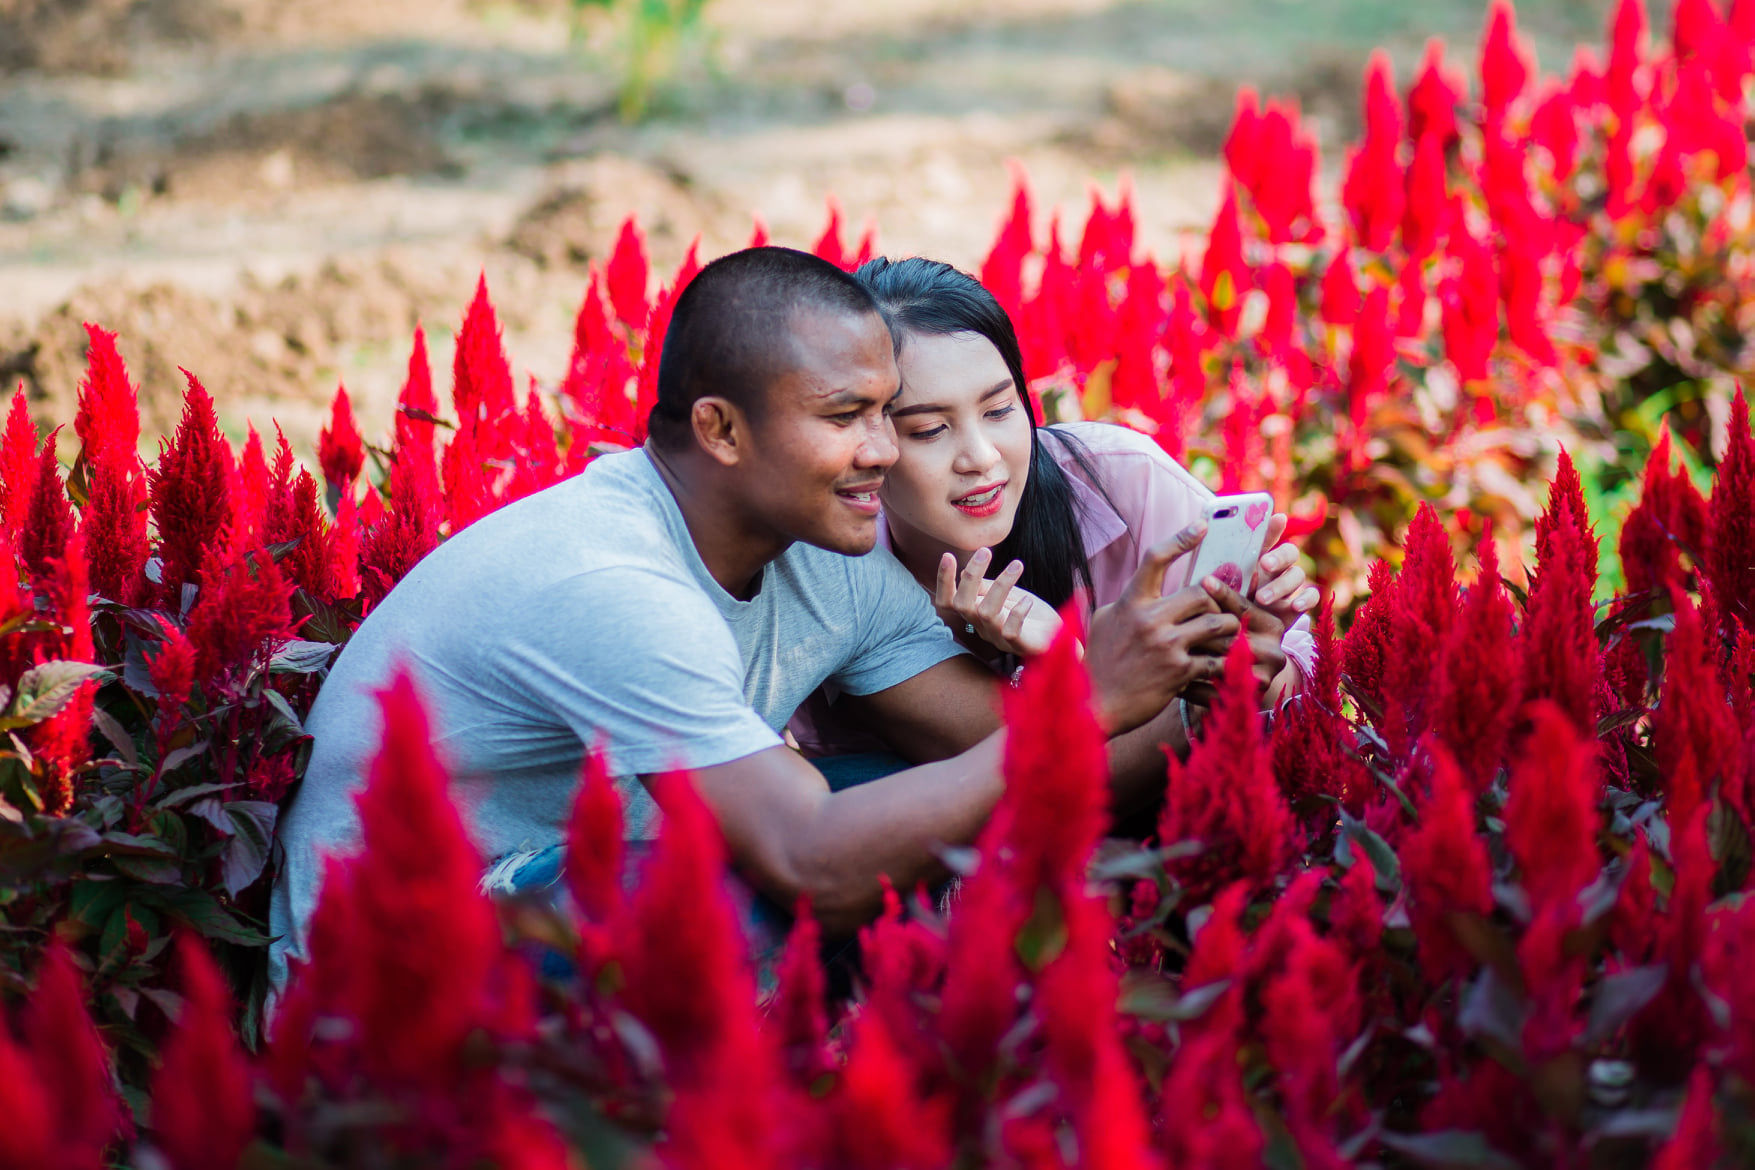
733,551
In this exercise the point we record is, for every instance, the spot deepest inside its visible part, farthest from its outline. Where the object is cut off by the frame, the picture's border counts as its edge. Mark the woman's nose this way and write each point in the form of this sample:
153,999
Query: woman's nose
976,453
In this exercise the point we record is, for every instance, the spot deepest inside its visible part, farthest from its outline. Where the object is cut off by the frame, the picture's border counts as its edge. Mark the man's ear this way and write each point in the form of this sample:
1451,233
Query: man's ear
720,428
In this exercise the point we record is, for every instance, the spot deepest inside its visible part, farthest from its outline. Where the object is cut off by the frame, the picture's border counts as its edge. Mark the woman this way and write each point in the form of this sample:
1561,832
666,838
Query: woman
1069,510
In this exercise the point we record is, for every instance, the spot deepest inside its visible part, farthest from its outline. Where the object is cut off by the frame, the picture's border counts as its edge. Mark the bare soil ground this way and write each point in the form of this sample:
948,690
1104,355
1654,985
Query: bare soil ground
272,194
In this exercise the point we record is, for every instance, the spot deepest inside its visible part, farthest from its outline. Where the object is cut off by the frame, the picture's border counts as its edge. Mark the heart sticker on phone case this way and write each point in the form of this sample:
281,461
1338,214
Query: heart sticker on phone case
1255,515
1230,575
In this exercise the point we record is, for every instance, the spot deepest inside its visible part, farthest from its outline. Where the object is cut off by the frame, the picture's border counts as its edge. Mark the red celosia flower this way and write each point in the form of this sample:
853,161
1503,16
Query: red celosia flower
1285,175
1242,148
1433,99
1730,949
1505,69
1470,297
243,614
1002,273
1076,999
1208,1120
829,245
1553,981
902,958
1368,640
340,450
652,349
1340,290
1560,655
1586,86
1555,130
1043,331
1224,796
1056,771
416,406
1692,717
1423,612
1356,913
1622,78
1477,688
1224,274
48,520
595,858
1310,1014
1139,334
795,1012
1445,869
598,375
1373,189
628,275
1551,818
1428,200
424,940
18,463
172,670
114,516
481,386
28,1140
1669,520
1730,538
70,1061
191,494
1695,1142
1312,743
1369,369
875,1118
203,1112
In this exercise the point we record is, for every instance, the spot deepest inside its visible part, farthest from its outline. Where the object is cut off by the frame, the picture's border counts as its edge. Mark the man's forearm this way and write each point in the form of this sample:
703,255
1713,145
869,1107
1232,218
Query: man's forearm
891,826
1136,761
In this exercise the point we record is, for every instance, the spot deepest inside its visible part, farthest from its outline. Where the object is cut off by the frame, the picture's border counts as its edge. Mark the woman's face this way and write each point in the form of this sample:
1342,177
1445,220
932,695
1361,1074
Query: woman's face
965,443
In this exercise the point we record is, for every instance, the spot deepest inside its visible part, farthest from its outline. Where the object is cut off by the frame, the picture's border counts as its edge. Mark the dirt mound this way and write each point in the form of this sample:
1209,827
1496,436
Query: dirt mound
352,137
263,350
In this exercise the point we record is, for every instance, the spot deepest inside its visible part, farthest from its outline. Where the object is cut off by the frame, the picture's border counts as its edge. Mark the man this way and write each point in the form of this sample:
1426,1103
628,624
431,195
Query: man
676,603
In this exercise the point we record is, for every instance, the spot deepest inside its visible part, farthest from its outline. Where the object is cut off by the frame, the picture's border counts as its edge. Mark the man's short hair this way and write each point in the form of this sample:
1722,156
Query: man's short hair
728,335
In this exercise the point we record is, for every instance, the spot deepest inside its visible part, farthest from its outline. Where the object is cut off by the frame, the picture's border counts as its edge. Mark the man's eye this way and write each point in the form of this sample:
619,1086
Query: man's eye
846,418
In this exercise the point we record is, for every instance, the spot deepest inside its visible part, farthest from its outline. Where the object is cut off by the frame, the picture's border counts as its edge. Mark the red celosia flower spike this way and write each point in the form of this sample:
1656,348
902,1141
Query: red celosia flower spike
18,462
1695,1143
1692,719
70,1061
340,450
1479,680
191,494
595,855
876,1118
1242,149
1225,796
243,614
28,1140
1560,654
829,246
425,940
48,521
1002,273
1445,868
203,1110
1428,203
628,276
1373,189
1551,818
1433,99
1224,274
114,517
1669,520
795,1012
1730,535
1505,69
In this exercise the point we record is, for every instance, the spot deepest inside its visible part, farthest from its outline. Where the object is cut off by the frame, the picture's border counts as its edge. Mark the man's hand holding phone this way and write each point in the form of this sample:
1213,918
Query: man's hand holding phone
1279,597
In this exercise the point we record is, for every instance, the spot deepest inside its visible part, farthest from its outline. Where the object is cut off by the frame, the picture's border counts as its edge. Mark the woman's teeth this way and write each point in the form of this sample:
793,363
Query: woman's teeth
980,498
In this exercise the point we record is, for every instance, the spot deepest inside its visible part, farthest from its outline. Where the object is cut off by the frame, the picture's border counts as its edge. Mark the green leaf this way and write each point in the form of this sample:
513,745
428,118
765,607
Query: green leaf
201,912
184,795
1448,1148
300,657
1149,996
1384,862
120,844
44,690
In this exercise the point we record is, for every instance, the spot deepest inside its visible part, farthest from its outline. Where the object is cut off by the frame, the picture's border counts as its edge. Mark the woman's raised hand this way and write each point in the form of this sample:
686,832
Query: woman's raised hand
999,612
1280,584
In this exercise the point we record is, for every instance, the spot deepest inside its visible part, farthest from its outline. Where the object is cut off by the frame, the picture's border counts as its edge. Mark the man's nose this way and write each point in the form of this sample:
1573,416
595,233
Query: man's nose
878,448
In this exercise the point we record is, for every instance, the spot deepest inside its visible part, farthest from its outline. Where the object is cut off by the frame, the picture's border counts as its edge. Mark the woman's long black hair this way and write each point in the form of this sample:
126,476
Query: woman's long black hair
927,296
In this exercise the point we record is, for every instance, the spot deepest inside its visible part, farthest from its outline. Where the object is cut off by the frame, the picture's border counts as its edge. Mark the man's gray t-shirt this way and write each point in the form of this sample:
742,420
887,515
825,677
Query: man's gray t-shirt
581,615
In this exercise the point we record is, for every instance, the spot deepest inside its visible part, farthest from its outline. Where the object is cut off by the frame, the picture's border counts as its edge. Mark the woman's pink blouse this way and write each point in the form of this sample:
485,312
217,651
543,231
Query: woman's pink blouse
1150,497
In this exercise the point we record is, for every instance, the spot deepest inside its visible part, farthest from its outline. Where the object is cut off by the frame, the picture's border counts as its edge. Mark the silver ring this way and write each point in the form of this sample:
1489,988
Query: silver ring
968,627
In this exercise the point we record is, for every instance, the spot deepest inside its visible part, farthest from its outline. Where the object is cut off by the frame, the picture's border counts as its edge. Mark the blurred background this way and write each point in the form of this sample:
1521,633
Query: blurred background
272,193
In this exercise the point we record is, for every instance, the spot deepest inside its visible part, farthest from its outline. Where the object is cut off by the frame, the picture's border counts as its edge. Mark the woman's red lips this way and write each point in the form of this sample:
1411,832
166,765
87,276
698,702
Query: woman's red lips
984,501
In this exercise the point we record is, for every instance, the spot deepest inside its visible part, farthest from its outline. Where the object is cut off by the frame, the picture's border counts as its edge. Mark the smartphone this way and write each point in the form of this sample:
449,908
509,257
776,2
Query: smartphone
1236,528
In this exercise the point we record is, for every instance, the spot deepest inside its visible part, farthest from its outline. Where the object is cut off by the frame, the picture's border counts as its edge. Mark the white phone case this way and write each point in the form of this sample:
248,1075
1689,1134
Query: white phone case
1236,528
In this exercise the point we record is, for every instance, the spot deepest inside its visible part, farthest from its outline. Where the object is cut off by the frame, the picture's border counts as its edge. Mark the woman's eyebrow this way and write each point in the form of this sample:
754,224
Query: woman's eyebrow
940,408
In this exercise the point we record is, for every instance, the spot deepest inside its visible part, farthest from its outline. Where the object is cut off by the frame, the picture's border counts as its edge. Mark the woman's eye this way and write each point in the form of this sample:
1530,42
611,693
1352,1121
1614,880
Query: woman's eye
938,430
1002,411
